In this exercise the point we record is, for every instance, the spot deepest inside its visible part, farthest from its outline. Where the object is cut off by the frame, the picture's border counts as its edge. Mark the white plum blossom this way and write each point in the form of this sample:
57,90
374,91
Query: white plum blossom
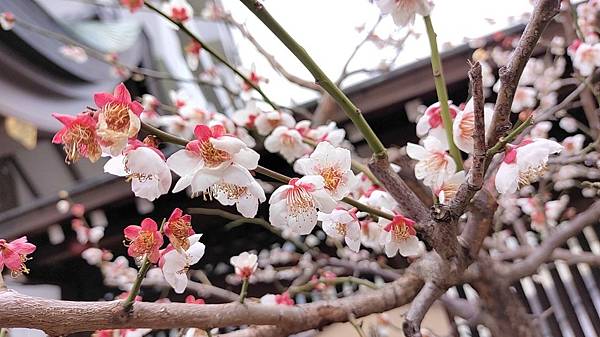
334,165
74,53
524,163
179,98
175,263
86,234
447,190
266,122
245,264
434,163
399,236
178,10
177,125
295,205
245,192
371,234
587,58
525,97
568,124
431,122
572,145
145,166
464,126
246,117
404,11
7,20
288,142
210,159
342,224
328,133
541,129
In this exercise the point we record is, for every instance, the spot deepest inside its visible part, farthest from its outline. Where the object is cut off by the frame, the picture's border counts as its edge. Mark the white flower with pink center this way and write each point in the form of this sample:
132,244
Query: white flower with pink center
245,264
431,122
288,142
399,236
322,133
175,263
525,97
266,122
212,158
434,163
178,10
334,165
179,98
177,125
541,129
295,205
464,126
572,145
404,11
342,224
524,163
149,115
587,58
144,165
447,190
246,117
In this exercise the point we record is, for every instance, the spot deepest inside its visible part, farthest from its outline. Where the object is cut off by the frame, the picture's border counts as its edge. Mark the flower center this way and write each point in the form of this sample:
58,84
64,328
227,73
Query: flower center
80,140
212,157
116,116
332,176
436,161
400,232
298,200
143,243
231,191
341,228
180,230
531,174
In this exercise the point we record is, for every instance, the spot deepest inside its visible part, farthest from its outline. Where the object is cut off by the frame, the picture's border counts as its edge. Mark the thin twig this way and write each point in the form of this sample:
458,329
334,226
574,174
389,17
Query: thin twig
321,78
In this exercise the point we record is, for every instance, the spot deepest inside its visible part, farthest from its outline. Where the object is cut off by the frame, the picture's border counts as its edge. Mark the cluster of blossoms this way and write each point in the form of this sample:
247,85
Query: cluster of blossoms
184,249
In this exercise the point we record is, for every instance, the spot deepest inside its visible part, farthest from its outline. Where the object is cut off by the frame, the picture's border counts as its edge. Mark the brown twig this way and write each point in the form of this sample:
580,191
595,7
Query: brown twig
474,180
510,74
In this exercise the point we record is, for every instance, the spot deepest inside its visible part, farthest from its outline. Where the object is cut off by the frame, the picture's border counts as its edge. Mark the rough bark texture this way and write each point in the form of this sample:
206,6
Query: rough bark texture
57,317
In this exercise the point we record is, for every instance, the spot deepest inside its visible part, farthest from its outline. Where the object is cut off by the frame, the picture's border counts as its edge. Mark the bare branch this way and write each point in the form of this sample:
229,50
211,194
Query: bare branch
474,181
561,254
229,20
419,307
57,317
409,202
553,241
510,74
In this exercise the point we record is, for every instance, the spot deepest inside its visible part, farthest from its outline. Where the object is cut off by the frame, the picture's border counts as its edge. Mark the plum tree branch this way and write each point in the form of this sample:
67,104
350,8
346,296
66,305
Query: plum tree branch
57,317
557,238
510,74
474,181
321,78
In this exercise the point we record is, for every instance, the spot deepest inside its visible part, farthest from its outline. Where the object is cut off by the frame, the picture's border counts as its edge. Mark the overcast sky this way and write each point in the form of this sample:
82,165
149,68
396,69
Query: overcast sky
326,28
